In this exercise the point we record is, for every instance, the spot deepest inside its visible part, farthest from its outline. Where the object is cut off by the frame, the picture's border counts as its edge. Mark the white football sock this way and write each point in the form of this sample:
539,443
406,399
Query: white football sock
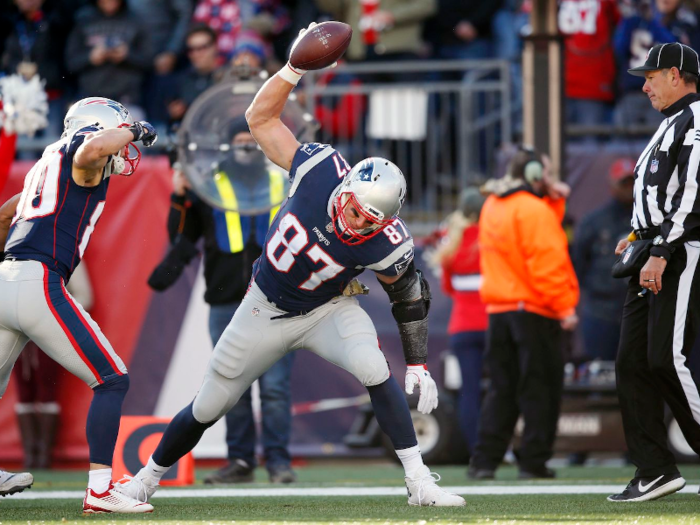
410,459
154,470
98,480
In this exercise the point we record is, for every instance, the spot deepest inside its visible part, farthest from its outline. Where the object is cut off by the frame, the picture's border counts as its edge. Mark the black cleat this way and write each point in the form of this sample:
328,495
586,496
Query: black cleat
237,471
480,474
646,489
540,473
283,474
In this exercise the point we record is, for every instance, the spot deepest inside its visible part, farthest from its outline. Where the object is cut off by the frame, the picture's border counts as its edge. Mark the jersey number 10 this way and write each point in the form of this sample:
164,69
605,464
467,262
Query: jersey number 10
40,194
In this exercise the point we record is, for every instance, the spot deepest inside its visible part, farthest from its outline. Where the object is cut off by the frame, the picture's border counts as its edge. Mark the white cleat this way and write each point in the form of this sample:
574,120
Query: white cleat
113,501
424,492
139,487
11,483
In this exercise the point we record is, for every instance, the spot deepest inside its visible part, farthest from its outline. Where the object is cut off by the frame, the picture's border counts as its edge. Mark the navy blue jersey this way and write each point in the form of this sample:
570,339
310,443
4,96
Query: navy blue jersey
304,264
55,216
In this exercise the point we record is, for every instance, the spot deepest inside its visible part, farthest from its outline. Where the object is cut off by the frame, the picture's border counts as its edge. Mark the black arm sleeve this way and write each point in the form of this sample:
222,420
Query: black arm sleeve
410,303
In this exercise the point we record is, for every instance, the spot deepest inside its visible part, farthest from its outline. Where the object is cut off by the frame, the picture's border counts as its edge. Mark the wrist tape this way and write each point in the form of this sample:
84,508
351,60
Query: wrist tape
290,74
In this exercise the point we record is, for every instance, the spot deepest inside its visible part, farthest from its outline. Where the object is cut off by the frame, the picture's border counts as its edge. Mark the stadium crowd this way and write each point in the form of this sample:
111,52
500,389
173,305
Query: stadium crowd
144,53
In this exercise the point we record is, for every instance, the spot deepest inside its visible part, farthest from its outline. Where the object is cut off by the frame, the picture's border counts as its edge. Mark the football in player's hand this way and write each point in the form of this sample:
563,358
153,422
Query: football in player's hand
320,46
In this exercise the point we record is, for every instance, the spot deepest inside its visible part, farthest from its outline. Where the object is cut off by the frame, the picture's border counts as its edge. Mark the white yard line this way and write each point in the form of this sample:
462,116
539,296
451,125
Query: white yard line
494,490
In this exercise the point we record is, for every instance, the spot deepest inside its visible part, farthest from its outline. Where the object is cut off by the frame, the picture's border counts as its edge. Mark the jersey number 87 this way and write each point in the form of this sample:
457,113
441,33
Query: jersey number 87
294,246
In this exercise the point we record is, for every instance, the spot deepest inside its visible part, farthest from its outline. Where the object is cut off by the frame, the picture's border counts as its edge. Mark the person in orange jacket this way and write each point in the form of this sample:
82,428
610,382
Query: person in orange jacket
530,291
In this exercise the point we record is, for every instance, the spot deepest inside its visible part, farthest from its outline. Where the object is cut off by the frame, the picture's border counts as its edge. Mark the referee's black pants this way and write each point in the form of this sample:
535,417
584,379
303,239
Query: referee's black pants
523,358
656,336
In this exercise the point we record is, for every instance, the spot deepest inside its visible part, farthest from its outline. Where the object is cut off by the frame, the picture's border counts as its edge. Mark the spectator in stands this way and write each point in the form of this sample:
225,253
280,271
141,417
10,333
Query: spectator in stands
634,36
680,20
109,51
34,46
168,21
462,28
530,291
249,55
228,17
232,242
461,278
201,74
594,254
386,31
589,61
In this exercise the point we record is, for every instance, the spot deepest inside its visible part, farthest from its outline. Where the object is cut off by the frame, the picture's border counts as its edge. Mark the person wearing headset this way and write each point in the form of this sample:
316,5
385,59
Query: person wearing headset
530,291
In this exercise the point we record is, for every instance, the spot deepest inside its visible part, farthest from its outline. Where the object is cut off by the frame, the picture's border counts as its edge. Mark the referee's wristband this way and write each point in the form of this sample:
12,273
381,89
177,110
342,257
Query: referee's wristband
660,251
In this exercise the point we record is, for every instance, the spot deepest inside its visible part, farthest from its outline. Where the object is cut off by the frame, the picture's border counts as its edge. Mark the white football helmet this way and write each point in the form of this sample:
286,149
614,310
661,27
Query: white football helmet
107,114
376,188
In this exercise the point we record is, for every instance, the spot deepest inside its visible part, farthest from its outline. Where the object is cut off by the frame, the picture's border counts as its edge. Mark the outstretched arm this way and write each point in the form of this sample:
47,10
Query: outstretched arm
275,139
263,116
7,212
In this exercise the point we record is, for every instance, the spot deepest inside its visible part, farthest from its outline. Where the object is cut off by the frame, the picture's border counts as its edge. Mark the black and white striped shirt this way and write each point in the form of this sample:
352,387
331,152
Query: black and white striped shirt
666,176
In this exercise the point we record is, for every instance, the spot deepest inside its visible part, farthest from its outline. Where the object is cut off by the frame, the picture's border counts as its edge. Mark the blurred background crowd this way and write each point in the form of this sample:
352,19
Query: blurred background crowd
157,55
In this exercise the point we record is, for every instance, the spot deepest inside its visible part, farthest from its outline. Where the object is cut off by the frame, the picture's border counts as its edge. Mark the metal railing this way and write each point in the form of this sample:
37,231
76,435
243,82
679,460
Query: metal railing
441,122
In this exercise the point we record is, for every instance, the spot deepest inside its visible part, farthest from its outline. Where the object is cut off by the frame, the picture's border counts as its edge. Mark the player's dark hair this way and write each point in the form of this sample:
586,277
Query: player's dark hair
201,28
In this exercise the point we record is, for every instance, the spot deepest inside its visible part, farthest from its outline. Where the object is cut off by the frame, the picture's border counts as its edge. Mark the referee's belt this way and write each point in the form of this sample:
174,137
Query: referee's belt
648,233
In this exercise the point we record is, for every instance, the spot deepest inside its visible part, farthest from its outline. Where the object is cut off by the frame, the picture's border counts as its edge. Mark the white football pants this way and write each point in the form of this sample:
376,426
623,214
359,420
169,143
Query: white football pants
340,331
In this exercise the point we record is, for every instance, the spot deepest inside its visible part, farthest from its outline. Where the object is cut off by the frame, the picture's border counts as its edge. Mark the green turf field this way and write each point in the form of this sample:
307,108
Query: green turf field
531,509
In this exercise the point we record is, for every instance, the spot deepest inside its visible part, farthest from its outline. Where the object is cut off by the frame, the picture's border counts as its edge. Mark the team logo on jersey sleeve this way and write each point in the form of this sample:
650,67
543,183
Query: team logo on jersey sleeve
312,147
401,266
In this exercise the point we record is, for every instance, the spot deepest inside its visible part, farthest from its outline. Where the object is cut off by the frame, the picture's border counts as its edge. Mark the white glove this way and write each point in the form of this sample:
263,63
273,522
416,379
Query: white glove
419,375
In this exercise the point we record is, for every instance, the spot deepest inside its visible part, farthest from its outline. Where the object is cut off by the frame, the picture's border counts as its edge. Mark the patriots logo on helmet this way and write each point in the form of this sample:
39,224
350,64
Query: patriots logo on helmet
116,106
365,172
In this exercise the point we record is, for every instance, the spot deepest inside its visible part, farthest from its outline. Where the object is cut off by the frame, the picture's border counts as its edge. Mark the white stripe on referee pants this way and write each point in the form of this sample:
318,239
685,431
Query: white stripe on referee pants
682,303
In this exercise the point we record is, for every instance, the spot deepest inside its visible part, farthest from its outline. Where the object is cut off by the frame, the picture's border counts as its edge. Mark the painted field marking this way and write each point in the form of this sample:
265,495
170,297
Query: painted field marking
495,490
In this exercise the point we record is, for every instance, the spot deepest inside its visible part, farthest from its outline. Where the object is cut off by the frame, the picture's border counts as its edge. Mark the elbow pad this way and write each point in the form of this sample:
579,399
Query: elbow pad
410,298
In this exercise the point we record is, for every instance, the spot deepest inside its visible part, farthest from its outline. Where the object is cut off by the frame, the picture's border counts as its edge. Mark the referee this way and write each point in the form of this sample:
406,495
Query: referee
661,315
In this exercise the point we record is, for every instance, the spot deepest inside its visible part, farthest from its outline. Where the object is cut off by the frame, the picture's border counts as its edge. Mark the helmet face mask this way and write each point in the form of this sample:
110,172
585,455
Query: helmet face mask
376,189
108,114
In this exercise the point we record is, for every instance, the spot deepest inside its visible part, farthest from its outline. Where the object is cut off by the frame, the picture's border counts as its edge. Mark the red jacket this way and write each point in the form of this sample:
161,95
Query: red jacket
461,279
588,27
